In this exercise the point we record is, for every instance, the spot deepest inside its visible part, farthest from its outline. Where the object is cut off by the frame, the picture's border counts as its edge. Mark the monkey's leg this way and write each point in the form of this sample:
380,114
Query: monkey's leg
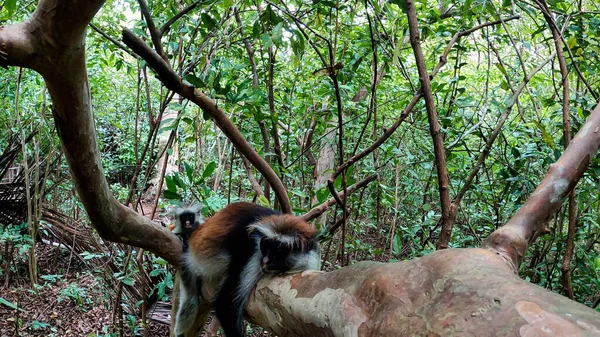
229,308
189,304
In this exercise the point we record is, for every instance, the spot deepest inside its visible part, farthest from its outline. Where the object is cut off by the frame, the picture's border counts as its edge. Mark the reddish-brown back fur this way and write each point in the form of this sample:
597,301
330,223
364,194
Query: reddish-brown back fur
287,224
209,238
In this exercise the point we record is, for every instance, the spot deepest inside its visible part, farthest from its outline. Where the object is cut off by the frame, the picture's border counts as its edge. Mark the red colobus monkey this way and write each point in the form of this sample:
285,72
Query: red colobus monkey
234,248
187,220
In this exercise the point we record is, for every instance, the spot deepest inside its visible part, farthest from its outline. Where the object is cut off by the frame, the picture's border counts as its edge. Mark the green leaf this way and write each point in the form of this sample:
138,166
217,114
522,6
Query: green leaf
297,43
322,194
171,195
467,5
207,21
501,68
174,46
278,34
155,272
397,245
263,201
128,281
10,304
266,40
597,263
195,81
178,181
572,42
210,168
171,185
11,6
189,171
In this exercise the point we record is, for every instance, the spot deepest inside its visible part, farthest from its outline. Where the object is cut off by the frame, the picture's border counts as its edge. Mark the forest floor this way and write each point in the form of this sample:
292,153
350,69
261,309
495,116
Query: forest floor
71,301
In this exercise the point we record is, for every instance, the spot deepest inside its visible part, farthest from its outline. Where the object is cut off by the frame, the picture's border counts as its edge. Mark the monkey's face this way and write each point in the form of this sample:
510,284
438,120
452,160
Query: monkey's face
187,220
275,256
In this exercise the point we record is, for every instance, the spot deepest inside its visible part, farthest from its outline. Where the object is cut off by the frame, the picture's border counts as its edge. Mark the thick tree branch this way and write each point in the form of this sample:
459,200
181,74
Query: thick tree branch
173,82
56,30
16,45
454,292
512,239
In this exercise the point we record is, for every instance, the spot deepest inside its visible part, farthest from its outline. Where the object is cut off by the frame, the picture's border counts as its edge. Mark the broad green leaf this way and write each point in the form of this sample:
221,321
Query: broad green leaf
11,6
171,185
210,168
171,195
263,201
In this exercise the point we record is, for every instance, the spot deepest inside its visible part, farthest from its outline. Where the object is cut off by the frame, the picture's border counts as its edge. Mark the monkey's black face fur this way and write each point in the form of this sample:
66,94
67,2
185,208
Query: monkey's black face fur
187,219
275,256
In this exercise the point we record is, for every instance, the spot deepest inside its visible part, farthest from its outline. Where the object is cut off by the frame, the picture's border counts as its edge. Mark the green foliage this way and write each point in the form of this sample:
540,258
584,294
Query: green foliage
76,294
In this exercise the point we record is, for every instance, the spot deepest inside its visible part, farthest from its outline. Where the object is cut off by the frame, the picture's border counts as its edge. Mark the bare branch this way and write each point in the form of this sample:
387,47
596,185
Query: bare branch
318,210
512,239
154,33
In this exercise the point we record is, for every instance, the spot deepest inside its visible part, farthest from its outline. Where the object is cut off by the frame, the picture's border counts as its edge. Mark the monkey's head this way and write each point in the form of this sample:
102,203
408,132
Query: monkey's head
188,219
287,244
288,255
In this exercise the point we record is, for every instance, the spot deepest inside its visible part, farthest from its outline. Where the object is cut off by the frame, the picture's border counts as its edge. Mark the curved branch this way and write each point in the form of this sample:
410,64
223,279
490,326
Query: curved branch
512,239
175,83
57,30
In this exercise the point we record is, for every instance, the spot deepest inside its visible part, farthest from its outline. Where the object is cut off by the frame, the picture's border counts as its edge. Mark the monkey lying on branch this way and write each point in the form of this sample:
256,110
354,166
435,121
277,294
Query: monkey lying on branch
234,249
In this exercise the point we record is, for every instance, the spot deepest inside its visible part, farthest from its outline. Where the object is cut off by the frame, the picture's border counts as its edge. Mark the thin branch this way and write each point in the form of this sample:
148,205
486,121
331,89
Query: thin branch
155,35
490,140
318,210
389,131
253,182
434,127
112,40
165,28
